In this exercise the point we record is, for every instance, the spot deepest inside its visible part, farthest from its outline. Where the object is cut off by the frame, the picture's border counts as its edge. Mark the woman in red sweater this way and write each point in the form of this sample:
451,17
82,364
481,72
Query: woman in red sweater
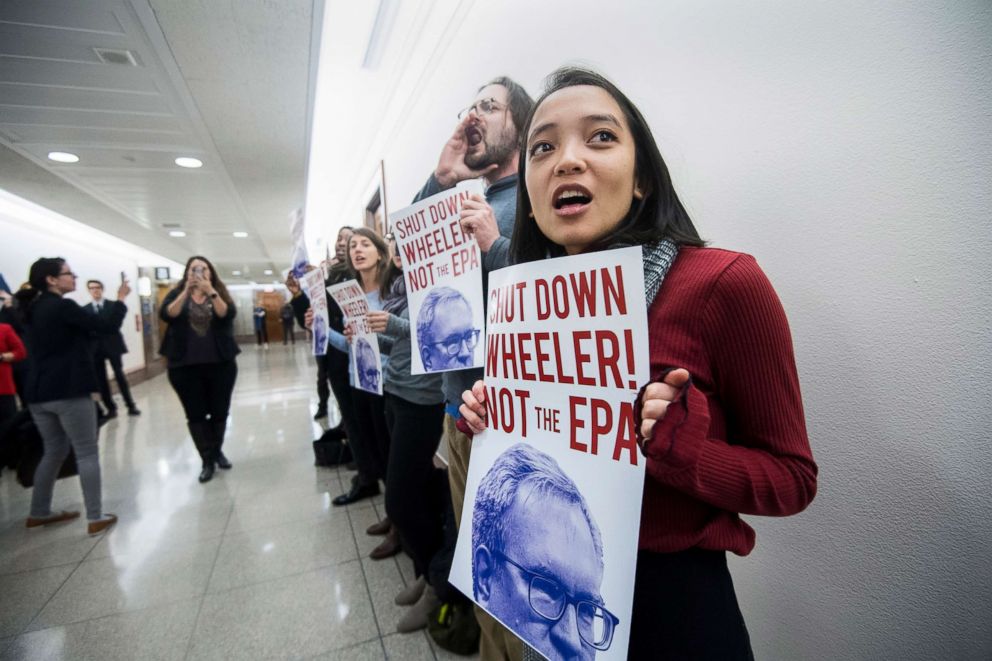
11,351
721,422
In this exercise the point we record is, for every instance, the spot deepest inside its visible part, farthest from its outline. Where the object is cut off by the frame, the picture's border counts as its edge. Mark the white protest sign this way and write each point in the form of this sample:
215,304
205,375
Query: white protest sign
443,271
548,541
366,362
312,283
299,260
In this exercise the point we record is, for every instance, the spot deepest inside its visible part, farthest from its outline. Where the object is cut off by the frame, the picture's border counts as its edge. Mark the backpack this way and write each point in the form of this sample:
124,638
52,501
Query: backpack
453,626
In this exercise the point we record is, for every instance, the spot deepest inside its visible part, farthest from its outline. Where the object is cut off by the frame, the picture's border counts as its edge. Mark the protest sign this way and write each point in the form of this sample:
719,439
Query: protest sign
299,260
548,541
312,282
443,271
366,362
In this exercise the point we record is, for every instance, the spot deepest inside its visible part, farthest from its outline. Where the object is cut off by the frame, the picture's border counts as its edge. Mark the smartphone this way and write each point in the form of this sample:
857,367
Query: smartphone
3,285
123,277
198,271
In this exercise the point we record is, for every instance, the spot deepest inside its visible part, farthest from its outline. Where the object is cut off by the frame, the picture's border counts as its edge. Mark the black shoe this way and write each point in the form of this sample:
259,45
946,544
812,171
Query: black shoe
207,473
110,414
356,494
321,413
223,462
133,410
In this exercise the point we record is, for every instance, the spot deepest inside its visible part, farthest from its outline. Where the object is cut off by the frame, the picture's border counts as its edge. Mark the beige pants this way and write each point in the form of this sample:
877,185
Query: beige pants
497,642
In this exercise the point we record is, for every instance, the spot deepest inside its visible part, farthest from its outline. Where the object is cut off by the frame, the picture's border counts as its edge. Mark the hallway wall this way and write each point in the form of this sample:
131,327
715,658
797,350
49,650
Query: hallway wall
847,147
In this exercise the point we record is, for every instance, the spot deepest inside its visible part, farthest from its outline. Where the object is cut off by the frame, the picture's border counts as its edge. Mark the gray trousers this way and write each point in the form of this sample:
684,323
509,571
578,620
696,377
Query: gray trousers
62,423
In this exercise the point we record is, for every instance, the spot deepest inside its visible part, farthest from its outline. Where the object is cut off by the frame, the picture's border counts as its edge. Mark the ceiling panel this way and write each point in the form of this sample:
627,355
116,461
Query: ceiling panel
14,115
77,74
63,14
68,136
226,82
47,44
38,96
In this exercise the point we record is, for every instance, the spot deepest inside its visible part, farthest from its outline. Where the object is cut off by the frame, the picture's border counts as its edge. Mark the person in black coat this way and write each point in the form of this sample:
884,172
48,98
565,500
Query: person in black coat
109,348
59,386
200,348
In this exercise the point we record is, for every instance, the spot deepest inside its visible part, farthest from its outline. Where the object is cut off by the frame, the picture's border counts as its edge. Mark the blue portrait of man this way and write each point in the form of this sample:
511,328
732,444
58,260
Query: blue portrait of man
319,335
366,365
537,556
445,333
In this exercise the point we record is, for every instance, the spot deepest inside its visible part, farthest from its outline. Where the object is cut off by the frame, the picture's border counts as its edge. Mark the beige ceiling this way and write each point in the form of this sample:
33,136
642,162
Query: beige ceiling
227,82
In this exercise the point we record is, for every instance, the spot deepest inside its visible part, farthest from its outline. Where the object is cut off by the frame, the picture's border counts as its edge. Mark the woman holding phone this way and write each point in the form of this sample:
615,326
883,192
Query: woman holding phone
721,421
200,348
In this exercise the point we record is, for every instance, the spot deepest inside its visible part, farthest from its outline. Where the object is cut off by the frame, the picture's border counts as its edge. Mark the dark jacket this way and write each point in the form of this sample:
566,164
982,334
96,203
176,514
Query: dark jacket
108,344
59,337
176,335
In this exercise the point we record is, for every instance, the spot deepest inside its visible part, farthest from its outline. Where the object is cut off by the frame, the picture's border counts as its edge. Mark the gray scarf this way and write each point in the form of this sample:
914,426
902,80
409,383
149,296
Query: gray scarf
396,302
658,258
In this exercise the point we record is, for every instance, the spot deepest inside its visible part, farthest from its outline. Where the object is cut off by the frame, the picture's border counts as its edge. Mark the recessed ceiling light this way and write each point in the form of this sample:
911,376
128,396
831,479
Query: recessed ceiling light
268,271
235,272
63,157
189,162
240,235
177,233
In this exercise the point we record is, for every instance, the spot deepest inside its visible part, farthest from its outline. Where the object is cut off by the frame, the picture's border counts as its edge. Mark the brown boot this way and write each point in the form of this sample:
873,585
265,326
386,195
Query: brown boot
416,617
381,528
389,547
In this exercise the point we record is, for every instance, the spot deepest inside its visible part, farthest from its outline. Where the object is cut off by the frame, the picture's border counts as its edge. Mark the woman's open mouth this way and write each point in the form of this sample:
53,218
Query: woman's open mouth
571,199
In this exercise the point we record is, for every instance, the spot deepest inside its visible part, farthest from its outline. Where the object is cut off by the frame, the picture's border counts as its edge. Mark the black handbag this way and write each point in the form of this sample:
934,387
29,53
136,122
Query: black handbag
30,450
330,452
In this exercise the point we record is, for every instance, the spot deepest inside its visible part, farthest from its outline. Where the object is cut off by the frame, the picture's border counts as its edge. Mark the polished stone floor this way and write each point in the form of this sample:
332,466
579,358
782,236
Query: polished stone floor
256,564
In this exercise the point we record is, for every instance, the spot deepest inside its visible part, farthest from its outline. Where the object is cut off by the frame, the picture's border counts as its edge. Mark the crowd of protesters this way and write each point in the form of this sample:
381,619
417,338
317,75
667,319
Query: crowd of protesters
574,172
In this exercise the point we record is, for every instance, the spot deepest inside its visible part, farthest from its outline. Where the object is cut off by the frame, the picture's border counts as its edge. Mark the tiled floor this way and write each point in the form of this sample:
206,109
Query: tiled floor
256,564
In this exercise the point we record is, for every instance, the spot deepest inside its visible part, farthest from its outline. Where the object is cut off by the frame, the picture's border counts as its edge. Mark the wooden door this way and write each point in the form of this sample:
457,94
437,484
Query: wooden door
272,302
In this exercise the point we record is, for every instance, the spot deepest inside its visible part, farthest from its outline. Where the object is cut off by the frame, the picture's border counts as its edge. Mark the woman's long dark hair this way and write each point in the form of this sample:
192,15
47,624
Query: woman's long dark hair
382,268
659,214
215,280
37,283
394,299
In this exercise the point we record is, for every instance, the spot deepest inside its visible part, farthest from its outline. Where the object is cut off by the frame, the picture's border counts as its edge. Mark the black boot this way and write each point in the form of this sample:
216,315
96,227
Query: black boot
207,473
203,439
219,429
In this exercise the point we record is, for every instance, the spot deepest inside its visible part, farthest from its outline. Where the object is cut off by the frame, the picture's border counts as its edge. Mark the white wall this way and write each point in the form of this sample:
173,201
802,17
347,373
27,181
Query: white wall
848,146
28,231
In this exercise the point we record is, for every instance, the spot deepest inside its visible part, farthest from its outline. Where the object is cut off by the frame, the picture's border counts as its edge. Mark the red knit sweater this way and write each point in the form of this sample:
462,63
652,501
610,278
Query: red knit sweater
9,343
735,443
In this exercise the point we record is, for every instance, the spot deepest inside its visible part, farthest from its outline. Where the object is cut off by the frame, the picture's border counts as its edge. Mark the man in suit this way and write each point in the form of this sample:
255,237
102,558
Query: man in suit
109,347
